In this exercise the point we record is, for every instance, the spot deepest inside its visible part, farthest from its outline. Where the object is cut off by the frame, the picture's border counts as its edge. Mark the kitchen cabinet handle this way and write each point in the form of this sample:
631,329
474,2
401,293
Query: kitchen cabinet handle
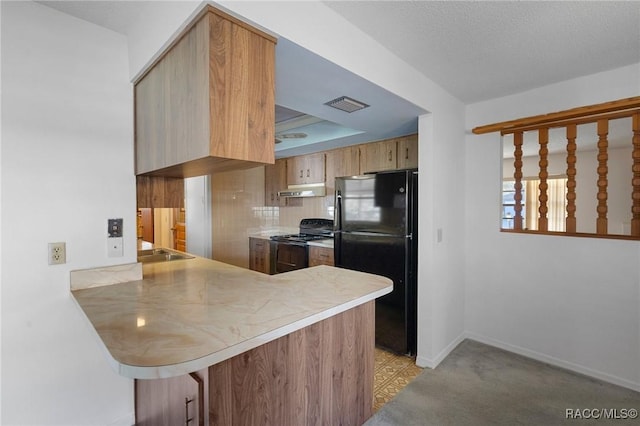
200,383
390,155
308,173
407,154
187,419
301,171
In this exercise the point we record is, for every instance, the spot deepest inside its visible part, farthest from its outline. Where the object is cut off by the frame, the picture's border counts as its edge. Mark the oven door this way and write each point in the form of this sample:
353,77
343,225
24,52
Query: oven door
288,256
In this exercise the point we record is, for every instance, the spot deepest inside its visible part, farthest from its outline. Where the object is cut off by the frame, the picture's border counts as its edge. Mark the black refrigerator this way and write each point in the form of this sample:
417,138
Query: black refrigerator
376,231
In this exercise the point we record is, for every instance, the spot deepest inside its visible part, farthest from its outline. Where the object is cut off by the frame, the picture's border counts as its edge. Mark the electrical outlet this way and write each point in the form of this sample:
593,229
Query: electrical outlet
57,253
114,247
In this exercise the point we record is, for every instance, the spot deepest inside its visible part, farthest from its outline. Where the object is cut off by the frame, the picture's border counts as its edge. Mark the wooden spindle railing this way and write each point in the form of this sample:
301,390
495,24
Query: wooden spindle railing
601,114
570,224
517,175
635,180
603,157
543,140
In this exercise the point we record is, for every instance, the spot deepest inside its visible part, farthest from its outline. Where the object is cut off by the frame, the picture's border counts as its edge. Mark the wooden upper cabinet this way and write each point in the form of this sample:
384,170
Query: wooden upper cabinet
275,179
341,162
389,154
208,103
306,169
408,152
159,192
378,156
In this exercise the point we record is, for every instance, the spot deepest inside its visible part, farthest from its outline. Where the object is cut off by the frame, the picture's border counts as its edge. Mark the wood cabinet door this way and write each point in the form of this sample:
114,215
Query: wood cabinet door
341,162
378,156
259,255
408,152
320,256
315,168
181,237
275,179
305,169
296,167
172,401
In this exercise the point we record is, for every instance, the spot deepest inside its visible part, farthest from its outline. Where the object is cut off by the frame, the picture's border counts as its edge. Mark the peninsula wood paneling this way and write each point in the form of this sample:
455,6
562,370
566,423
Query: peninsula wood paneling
320,375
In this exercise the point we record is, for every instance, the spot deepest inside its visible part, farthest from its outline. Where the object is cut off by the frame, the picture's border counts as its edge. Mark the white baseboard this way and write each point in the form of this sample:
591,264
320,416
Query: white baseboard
432,363
538,356
128,420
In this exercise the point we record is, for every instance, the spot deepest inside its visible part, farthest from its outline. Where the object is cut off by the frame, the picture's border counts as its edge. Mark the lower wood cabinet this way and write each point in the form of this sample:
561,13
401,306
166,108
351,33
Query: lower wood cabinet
320,256
174,401
259,255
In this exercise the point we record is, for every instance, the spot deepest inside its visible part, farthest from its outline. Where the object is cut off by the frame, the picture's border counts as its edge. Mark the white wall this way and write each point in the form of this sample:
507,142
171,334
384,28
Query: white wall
197,207
67,166
574,302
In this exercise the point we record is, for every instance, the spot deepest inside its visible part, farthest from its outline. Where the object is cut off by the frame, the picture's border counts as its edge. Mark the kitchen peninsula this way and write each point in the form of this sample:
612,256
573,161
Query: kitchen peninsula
294,348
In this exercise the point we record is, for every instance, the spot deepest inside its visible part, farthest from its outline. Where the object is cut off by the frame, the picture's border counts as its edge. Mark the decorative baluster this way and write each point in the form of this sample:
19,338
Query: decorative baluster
543,140
603,156
571,178
517,175
635,195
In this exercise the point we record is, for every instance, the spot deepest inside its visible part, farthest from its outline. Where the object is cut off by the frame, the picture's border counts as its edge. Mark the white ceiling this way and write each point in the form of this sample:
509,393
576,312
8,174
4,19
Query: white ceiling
476,50
479,50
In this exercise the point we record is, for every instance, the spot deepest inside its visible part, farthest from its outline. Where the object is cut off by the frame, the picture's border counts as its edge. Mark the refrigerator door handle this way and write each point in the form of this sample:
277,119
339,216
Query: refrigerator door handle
338,212
337,235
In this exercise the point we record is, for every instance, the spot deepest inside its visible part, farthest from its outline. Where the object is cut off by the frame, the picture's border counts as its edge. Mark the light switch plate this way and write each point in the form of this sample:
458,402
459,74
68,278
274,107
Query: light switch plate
115,247
114,228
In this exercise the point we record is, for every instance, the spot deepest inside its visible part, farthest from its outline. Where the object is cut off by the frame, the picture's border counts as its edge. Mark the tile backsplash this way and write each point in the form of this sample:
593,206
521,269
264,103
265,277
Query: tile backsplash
238,210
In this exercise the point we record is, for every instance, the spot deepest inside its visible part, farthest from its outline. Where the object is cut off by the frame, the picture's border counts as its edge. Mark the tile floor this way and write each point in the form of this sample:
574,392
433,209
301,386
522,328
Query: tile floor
392,373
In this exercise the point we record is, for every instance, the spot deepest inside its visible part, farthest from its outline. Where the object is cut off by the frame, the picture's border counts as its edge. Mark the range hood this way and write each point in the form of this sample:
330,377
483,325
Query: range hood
304,190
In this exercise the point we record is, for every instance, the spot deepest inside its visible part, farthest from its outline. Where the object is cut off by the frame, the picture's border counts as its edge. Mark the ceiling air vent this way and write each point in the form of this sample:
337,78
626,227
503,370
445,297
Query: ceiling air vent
346,104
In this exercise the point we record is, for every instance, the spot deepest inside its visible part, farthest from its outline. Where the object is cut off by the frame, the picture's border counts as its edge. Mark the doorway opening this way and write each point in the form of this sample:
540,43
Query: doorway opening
162,227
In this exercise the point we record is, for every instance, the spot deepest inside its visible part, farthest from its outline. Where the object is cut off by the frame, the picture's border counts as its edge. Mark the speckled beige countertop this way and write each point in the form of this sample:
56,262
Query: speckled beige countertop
186,315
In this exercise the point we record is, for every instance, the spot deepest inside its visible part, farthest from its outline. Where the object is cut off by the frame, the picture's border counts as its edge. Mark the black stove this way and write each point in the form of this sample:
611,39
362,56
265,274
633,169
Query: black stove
290,252
310,230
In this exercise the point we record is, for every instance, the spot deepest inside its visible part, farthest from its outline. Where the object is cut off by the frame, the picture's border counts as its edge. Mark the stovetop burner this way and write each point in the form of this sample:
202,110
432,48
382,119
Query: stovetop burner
310,230
300,237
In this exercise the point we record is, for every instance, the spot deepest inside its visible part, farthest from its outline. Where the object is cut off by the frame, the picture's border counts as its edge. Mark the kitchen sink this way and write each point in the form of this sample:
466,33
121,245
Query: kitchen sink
161,255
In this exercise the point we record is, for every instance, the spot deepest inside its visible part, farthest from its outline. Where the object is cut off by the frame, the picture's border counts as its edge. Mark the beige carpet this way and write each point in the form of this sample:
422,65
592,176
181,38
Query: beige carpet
479,385
392,373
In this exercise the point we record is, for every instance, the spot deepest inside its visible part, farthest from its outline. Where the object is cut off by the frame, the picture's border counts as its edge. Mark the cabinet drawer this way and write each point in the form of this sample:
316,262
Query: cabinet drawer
320,256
